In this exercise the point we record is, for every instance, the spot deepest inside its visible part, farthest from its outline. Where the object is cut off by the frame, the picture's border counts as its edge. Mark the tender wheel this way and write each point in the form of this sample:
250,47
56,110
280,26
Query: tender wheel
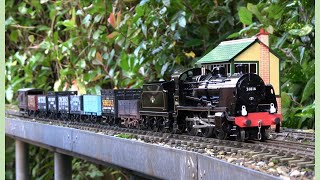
161,124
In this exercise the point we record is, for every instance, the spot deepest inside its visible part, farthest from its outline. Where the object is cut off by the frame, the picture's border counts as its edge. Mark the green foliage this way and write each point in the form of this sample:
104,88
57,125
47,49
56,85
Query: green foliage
86,46
125,136
84,170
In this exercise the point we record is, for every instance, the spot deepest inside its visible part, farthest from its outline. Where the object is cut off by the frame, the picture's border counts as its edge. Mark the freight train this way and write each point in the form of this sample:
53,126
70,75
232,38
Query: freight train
196,101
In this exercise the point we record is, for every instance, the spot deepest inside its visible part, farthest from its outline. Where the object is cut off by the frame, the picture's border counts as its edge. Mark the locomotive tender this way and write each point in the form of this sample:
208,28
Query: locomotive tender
196,101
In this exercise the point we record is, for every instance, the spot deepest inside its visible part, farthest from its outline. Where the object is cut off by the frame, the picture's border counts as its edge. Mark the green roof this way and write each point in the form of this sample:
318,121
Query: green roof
226,51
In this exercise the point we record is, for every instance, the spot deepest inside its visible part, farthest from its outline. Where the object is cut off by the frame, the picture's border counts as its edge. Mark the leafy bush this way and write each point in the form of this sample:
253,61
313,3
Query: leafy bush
88,45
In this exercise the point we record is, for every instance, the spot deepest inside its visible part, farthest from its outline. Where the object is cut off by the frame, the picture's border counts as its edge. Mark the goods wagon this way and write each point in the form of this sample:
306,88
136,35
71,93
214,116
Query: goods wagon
52,105
63,100
32,105
128,109
76,107
92,107
42,106
109,103
23,98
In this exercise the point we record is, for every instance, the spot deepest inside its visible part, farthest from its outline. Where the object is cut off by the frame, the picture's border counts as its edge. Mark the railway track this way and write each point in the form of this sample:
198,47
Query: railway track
271,154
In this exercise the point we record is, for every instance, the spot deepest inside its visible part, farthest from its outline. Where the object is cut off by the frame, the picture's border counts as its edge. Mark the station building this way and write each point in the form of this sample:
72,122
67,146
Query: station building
253,54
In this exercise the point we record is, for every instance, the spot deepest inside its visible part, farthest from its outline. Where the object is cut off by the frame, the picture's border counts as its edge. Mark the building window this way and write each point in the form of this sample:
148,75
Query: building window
227,66
246,68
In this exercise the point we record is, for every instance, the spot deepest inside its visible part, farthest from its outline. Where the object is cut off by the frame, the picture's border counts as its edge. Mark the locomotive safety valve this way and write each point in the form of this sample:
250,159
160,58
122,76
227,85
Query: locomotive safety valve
272,108
247,122
244,111
277,120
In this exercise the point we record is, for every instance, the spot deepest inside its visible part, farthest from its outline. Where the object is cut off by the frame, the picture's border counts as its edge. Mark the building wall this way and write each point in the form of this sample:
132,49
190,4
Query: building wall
250,54
275,73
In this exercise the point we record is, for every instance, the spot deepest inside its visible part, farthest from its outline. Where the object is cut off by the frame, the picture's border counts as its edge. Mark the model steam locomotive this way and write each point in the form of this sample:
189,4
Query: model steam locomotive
196,101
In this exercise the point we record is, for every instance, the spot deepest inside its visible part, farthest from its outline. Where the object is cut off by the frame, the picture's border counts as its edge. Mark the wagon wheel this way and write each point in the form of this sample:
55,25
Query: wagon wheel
241,135
93,118
29,113
63,116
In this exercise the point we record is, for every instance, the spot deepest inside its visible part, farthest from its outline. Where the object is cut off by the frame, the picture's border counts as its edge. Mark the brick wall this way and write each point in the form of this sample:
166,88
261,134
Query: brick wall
279,104
264,64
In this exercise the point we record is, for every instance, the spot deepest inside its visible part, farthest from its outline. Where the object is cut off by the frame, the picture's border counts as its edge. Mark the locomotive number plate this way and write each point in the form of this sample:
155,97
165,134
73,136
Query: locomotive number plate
251,88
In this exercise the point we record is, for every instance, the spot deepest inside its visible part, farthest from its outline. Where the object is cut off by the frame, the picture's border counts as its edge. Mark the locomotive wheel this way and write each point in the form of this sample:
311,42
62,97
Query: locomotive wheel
220,134
277,128
263,134
206,132
241,135
189,128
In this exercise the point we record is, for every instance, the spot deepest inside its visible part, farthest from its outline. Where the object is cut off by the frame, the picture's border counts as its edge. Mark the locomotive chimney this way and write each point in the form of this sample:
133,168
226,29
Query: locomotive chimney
264,64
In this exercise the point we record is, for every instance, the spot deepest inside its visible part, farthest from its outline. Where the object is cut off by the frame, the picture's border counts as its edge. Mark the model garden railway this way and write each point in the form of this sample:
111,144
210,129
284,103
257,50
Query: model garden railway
291,155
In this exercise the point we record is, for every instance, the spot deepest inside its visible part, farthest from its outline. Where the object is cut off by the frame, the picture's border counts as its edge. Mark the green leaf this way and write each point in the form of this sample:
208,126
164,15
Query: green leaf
275,11
305,30
96,34
14,36
285,100
124,61
193,43
182,21
309,89
31,38
9,94
98,18
166,2
254,10
144,29
10,21
69,24
22,8
143,2
245,16
57,85
87,20
164,68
